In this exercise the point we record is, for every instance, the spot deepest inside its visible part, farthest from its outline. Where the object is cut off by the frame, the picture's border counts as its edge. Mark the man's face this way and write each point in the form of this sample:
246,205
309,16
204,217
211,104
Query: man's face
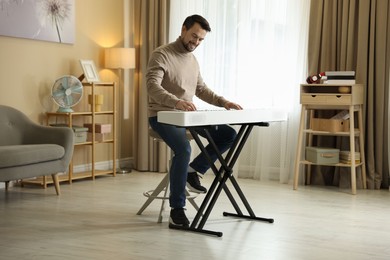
193,37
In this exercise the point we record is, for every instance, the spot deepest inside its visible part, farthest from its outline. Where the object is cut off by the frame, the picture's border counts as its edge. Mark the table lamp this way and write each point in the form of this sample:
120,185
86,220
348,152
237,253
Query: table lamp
119,58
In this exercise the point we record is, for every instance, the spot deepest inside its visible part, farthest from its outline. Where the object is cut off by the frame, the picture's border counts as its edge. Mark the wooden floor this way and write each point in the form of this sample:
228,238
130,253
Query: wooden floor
97,220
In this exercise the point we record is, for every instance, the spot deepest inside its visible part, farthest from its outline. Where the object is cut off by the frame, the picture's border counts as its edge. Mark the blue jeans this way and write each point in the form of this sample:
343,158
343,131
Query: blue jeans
176,138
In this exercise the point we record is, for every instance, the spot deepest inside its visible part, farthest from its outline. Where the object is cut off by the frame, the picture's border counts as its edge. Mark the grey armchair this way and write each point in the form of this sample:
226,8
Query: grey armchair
30,150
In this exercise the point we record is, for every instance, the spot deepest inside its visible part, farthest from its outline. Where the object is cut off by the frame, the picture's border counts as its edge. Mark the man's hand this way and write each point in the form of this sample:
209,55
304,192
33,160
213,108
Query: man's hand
230,105
185,105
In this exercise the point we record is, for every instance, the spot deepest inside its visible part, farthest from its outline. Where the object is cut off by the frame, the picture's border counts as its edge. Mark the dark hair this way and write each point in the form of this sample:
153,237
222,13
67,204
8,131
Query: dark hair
191,20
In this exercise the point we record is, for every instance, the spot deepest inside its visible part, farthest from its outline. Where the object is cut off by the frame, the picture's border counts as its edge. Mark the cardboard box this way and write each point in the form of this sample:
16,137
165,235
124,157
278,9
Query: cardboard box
99,137
99,128
322,155
329,125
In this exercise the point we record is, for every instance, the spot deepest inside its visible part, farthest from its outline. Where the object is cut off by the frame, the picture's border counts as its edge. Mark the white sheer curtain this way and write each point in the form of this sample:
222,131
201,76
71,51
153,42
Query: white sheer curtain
255,55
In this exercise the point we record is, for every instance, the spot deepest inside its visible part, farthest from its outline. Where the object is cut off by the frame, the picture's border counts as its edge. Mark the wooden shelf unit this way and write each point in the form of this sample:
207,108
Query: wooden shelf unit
89,88
327,97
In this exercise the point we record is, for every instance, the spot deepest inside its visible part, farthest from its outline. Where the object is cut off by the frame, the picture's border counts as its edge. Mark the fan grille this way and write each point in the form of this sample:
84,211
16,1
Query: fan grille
67,91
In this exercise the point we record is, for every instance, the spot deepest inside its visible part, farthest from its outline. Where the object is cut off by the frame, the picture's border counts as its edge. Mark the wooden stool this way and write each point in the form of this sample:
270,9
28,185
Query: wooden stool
161,191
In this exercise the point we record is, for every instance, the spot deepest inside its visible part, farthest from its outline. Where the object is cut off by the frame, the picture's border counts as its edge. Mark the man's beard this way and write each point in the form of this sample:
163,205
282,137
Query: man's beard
188,47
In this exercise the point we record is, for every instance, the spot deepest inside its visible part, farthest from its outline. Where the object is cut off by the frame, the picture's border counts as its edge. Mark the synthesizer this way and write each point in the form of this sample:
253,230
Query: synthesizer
219,117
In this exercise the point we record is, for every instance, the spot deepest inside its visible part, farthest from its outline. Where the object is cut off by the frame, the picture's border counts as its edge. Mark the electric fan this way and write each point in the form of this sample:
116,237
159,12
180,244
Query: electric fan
66,92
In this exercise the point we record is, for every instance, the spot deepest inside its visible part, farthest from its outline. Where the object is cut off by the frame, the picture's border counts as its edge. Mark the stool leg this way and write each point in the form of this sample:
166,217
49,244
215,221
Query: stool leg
159,188
192,201
163,201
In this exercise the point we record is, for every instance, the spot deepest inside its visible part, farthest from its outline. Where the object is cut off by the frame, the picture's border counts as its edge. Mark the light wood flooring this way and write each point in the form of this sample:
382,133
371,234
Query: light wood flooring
97,220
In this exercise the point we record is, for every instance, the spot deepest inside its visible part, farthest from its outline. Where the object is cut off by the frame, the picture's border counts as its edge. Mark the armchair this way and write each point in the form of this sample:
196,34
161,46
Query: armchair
30,150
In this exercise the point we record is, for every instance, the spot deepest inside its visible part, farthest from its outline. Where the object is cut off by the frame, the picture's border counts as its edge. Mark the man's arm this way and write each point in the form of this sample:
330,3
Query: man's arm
207,95
154,77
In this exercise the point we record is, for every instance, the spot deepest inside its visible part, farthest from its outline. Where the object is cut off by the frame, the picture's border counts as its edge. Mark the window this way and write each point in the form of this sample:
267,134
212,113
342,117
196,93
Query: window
254,55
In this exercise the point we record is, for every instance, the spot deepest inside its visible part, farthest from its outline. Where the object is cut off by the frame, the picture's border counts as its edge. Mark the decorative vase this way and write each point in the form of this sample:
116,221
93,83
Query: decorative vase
98,102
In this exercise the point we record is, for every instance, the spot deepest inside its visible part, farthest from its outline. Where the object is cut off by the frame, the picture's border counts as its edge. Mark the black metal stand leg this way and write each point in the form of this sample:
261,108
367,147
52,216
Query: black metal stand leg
246,204
219,183
233,160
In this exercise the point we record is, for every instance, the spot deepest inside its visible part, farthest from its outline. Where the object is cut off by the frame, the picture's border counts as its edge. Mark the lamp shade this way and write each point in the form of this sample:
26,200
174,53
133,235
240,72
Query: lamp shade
119,58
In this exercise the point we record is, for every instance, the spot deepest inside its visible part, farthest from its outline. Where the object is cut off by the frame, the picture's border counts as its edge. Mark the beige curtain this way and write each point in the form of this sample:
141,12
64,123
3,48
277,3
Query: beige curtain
355,35
151,20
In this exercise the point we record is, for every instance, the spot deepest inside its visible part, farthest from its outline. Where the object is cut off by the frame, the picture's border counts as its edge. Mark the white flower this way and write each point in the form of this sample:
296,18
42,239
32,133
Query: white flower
54,12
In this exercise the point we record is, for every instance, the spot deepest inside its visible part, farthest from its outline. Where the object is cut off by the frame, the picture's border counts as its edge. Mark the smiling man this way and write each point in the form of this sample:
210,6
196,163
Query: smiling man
172,80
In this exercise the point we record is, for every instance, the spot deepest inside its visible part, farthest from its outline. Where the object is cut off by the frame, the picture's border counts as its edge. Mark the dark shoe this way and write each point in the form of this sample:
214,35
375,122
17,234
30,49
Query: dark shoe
193,183
178,219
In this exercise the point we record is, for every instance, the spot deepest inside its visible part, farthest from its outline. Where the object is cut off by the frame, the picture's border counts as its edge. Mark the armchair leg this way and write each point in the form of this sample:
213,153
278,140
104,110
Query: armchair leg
56,183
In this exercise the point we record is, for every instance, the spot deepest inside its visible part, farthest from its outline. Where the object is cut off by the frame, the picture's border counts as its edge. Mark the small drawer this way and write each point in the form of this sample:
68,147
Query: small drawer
339,99
313,99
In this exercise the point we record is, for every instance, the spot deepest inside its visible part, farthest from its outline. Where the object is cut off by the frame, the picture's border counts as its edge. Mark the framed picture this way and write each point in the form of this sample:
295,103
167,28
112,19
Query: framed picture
89,70
45,20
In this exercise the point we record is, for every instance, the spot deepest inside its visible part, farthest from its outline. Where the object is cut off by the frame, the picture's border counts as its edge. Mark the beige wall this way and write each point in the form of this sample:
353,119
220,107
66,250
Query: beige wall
28,68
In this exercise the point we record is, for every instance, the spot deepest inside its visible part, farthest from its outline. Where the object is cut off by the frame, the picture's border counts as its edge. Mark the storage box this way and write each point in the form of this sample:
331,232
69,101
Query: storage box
329,125
322,155
99,137
80,133
99,128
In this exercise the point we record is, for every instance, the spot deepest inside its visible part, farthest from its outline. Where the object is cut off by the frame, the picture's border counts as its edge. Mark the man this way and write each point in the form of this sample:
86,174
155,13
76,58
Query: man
172,79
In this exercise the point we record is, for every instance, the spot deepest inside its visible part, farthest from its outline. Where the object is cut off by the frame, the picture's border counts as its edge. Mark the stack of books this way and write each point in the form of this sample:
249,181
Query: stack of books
345,157
339,77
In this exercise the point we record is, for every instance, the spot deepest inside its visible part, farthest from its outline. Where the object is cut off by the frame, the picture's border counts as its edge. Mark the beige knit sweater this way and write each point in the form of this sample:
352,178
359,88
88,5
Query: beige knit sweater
172,75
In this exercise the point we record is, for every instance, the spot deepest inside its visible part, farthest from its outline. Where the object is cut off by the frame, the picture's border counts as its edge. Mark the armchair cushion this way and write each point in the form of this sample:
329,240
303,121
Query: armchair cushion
18,155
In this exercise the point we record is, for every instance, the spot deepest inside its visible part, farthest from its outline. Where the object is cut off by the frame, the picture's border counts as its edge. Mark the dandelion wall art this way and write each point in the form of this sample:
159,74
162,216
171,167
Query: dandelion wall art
47,20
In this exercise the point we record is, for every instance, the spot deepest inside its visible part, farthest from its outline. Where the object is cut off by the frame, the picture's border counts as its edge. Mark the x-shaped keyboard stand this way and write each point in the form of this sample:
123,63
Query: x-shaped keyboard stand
222,174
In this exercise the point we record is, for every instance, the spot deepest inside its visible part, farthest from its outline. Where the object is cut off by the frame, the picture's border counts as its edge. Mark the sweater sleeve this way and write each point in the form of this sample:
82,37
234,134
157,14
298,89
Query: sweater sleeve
206,94
154,78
